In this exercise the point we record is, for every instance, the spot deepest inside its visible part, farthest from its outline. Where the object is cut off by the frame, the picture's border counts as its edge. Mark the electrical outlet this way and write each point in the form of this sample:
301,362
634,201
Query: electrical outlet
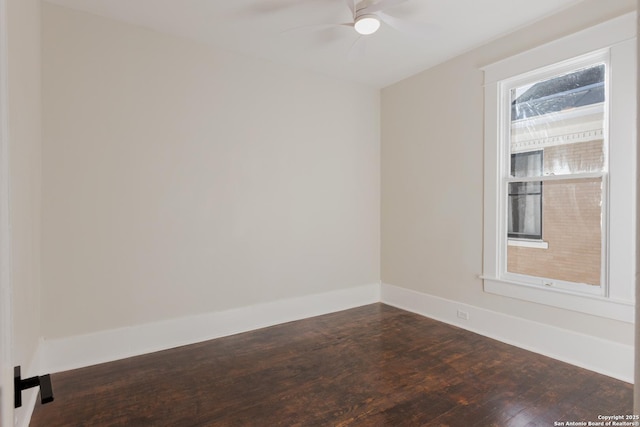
463,315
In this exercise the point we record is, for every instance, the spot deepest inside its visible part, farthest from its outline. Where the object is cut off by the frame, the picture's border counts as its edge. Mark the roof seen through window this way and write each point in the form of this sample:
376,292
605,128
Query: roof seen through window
576,89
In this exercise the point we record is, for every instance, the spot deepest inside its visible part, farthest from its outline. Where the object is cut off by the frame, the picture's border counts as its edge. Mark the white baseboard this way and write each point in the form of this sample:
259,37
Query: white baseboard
596,354
85,350
606,357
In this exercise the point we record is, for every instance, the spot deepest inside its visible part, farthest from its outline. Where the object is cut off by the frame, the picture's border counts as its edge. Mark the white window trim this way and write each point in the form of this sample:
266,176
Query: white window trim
617,40
528,243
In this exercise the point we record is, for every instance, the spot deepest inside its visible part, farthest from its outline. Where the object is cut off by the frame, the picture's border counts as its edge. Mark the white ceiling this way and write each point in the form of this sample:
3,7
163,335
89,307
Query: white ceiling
292,31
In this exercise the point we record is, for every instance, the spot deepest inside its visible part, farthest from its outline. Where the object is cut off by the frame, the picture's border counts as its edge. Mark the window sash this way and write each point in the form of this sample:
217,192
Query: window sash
566,177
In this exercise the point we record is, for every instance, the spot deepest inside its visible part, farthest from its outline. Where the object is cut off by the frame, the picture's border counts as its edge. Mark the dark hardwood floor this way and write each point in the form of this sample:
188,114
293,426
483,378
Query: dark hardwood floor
369,366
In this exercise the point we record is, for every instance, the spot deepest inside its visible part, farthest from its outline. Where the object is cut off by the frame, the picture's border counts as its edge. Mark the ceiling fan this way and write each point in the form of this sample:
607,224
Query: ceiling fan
368,16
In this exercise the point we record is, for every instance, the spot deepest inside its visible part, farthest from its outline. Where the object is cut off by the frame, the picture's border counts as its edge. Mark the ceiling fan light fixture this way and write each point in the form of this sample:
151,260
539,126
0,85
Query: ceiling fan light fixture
367,24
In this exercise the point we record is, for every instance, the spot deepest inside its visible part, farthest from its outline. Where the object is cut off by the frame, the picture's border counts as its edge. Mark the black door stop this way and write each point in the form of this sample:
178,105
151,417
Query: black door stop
43,381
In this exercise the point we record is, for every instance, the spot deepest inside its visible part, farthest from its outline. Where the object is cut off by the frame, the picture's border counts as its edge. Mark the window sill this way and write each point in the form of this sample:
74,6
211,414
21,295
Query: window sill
524,243
623,311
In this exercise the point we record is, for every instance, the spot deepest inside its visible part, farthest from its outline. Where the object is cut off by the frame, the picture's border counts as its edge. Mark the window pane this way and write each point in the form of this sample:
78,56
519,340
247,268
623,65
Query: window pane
526,164
564,117
525,188
525,198
525,216
572,227
560,93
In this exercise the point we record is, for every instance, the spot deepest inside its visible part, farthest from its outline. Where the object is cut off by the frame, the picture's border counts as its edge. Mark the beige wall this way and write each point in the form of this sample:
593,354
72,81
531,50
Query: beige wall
179,179
25,147
432,177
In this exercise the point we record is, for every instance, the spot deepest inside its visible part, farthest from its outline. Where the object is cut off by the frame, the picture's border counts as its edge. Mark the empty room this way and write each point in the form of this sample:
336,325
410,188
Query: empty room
318,213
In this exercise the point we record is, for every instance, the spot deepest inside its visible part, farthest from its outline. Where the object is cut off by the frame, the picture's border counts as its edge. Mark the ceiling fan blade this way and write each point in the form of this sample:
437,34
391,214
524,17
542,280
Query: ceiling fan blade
411,28
314,26
379,6
352,6
261,8
358,49
271,7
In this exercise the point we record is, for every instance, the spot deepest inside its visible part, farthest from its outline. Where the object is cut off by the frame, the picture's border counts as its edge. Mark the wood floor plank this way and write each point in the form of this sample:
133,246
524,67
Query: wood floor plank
370,366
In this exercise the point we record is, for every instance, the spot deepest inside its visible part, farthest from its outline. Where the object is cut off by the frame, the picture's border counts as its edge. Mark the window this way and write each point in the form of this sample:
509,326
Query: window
560,173
564,115
525,198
